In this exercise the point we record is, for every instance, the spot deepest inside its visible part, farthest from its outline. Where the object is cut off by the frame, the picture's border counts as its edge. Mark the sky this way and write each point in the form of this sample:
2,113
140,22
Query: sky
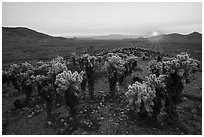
74,19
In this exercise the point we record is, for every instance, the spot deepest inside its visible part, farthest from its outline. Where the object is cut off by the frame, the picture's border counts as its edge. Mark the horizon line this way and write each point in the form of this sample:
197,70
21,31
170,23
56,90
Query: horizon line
95,35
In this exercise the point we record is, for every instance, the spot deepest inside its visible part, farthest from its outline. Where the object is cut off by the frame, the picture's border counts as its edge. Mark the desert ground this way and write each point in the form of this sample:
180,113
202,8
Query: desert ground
99,116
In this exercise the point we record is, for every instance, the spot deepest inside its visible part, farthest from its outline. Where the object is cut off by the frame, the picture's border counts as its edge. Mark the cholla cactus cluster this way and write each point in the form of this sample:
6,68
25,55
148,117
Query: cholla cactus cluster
131,58
155,66
109,54
26,66
5,72
39,63
182,65
26,74
38,78
114,60
85,56
139,93
99,57
117,87
22,75
44,66
120,68
58,67
123,56
58,59
167,58
14,68
67,78
90,59
155,82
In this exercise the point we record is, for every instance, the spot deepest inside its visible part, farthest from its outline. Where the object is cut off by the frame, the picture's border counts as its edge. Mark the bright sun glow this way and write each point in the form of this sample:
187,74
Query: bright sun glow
155,33
155,38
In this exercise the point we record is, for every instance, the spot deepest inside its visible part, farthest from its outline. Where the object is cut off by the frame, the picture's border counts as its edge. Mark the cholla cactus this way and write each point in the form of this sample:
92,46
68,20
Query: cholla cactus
117,87
30,72
114,60
167,58
131,58
73,54
110,54
85,55
155,82
58,59
26,66
90,59
138,93
23,76
182,66
44,66
15,68
57,68
120,69
155,67
5,72
66,79
38,78
39,63
99,57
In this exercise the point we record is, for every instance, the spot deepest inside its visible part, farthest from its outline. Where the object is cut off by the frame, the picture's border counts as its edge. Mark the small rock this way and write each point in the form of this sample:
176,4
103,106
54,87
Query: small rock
84,133
62,120
29,116
65,124
70,118
49,123
61,130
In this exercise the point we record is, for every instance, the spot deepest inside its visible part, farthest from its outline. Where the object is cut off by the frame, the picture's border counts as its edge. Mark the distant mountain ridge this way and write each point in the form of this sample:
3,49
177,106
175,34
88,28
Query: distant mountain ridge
24,33
111,37
21,33
193,37
174,37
